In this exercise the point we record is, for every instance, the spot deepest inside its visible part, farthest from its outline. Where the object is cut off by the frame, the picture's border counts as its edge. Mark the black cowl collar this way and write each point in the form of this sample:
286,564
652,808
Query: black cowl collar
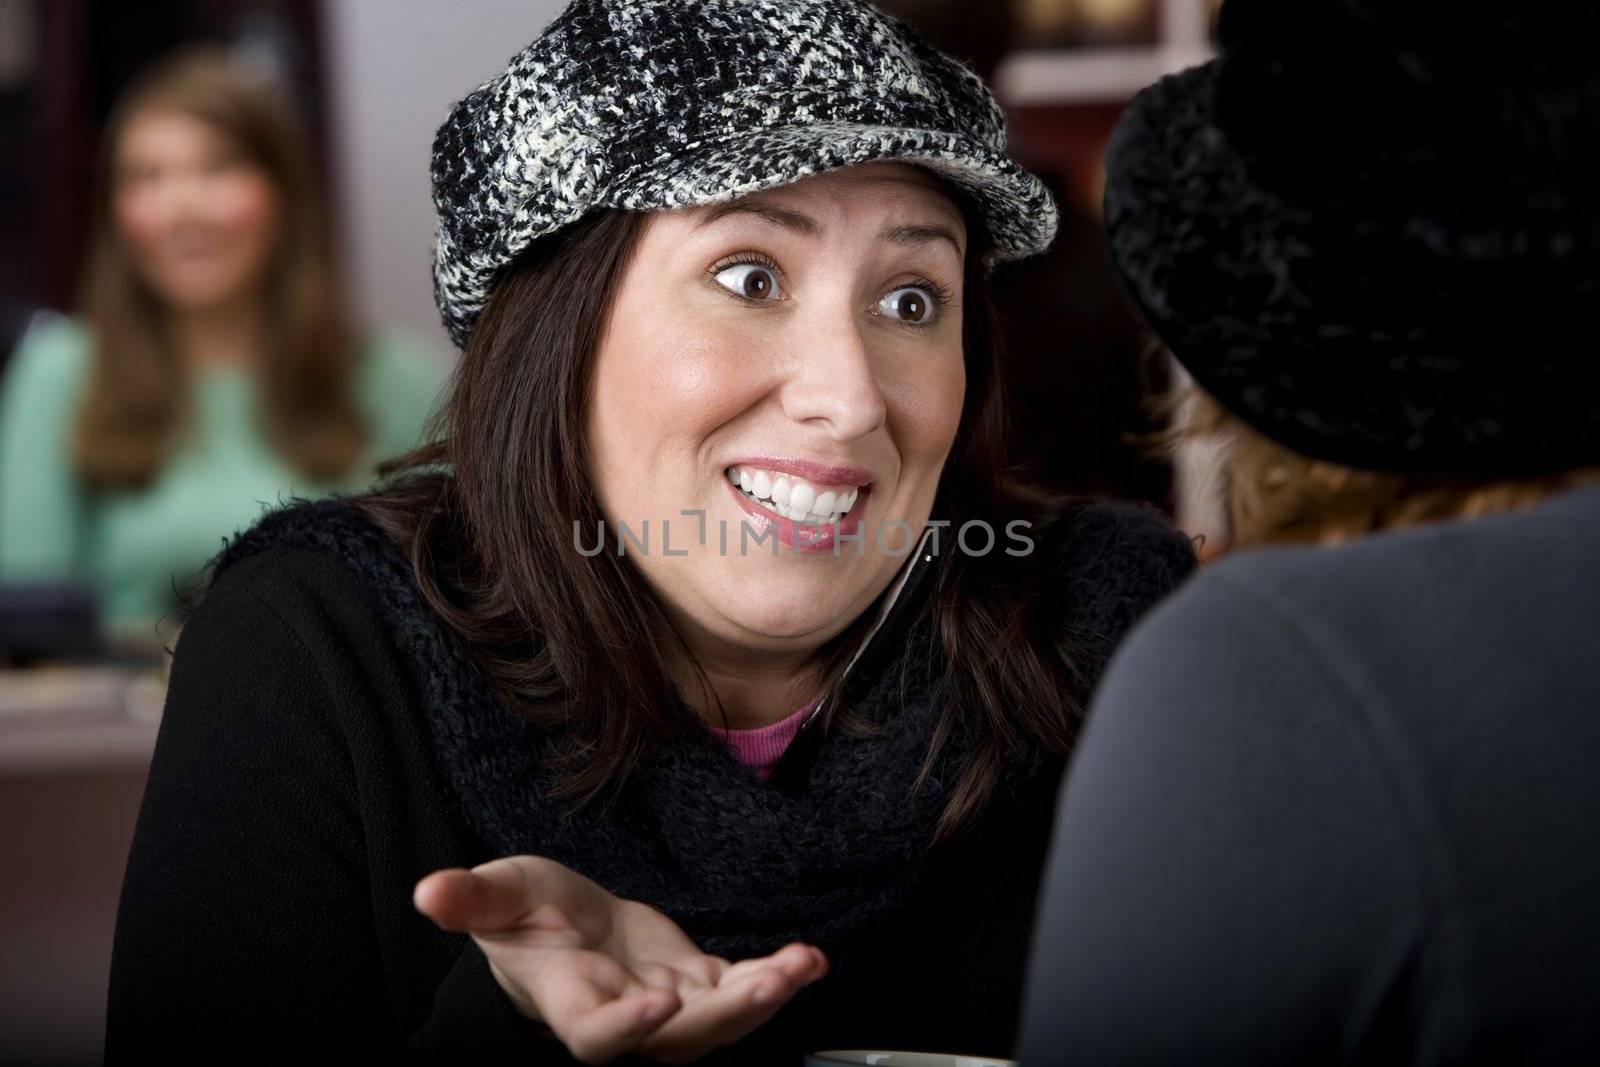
742,865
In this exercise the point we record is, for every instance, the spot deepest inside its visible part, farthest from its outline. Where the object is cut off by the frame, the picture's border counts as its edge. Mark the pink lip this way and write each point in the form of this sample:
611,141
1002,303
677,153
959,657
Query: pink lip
811,538
815,473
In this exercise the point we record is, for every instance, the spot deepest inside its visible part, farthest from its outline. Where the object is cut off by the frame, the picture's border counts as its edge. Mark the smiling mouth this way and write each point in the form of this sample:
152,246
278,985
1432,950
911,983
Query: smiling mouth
794,498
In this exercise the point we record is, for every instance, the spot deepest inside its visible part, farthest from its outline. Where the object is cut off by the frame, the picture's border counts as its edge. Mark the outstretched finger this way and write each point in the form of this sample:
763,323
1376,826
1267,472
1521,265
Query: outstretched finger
797,960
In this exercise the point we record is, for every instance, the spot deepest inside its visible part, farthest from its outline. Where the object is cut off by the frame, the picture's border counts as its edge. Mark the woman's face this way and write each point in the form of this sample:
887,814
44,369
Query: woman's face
801,345
195,214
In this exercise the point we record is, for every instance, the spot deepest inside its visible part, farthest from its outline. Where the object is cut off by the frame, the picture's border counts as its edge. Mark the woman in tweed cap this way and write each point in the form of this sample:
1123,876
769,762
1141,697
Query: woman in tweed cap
718,268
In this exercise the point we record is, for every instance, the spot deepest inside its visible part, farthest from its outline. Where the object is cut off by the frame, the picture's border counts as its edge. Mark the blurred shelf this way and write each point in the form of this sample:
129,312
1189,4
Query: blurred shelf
77,748
78,719
1093,75
1099,75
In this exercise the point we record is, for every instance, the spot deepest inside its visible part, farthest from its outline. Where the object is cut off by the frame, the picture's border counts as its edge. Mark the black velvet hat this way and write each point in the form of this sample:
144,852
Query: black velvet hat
1371,229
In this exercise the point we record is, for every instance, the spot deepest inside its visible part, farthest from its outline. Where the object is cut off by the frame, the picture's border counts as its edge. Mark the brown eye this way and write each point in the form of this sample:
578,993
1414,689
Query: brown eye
910,304
749,280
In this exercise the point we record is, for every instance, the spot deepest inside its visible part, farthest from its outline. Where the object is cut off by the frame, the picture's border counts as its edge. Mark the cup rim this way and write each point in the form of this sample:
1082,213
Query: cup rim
832,1056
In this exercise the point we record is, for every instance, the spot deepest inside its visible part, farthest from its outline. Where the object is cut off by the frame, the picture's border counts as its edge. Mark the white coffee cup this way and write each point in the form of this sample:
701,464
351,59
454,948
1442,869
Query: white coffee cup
887,1058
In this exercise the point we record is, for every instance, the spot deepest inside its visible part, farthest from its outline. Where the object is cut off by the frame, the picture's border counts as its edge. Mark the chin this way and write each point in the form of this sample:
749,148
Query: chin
783,618
196,294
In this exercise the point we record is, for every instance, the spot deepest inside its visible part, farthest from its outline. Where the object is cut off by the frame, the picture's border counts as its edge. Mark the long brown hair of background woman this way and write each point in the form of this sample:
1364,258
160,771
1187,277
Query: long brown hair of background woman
133,412
486,515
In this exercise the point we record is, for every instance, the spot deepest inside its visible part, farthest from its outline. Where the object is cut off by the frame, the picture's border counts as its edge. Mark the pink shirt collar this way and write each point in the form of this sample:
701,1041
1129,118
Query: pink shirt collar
760,749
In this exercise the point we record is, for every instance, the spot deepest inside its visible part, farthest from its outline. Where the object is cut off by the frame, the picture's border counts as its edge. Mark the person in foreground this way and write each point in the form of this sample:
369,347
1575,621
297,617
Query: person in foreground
213,367
535,752
1336,799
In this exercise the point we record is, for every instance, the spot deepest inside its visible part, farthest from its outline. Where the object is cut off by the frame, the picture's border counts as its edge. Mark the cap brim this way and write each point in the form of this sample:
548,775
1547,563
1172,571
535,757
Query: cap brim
1017,208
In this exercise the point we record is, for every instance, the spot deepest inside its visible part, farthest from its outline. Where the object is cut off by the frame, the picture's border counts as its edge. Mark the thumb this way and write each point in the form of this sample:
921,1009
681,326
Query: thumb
491,898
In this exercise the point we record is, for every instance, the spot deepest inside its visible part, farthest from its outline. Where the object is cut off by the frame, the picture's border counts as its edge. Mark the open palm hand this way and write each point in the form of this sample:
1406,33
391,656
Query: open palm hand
606,975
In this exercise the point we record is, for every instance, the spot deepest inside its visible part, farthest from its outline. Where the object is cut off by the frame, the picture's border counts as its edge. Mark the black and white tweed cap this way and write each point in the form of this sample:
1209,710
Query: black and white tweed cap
652,104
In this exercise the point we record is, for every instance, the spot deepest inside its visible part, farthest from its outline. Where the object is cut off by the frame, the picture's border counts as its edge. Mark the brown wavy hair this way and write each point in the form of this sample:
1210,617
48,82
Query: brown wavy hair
485,514
1274,495
133,412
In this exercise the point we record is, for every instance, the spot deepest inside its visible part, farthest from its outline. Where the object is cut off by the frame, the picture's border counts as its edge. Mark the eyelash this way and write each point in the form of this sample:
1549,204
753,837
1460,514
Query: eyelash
752,259
942,296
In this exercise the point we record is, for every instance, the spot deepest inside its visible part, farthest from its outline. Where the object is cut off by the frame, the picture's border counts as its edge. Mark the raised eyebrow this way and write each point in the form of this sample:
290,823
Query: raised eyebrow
789,220
804,224
910,235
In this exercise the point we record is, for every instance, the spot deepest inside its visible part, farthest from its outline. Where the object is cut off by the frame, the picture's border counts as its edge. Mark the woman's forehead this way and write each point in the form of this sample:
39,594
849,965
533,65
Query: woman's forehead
853,187
162,129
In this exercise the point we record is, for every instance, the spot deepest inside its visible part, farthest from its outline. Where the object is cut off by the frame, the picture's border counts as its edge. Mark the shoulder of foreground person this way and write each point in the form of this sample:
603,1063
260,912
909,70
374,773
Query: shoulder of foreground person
1298,818
1114,560
1446,571
1235,873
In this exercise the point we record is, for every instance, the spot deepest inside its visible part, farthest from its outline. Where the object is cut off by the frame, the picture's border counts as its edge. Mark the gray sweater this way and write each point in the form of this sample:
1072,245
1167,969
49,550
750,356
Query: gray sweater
1341,804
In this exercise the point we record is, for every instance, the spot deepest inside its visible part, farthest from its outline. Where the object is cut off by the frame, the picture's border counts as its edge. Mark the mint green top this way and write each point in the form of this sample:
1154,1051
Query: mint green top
134,546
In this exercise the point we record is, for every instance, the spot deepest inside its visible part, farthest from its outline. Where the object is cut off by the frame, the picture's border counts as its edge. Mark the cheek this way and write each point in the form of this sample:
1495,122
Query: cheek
663,385
925,403
245,208
140,219
945,403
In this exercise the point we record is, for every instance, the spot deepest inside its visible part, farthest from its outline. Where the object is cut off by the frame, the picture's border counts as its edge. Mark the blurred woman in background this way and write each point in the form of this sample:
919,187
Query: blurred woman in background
214,370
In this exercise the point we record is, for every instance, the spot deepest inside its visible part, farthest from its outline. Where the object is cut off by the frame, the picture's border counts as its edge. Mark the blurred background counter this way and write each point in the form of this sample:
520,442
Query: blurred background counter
75,744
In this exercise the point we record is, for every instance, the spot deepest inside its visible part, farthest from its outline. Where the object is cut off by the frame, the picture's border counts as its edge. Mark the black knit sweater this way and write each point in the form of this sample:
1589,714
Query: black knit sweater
326,744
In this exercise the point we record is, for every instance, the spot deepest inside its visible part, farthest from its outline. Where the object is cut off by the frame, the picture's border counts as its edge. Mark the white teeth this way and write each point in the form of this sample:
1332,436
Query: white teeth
794,498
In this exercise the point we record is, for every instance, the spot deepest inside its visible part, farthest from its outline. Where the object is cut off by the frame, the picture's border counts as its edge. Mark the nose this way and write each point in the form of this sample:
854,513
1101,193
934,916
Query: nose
834,385
176,196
